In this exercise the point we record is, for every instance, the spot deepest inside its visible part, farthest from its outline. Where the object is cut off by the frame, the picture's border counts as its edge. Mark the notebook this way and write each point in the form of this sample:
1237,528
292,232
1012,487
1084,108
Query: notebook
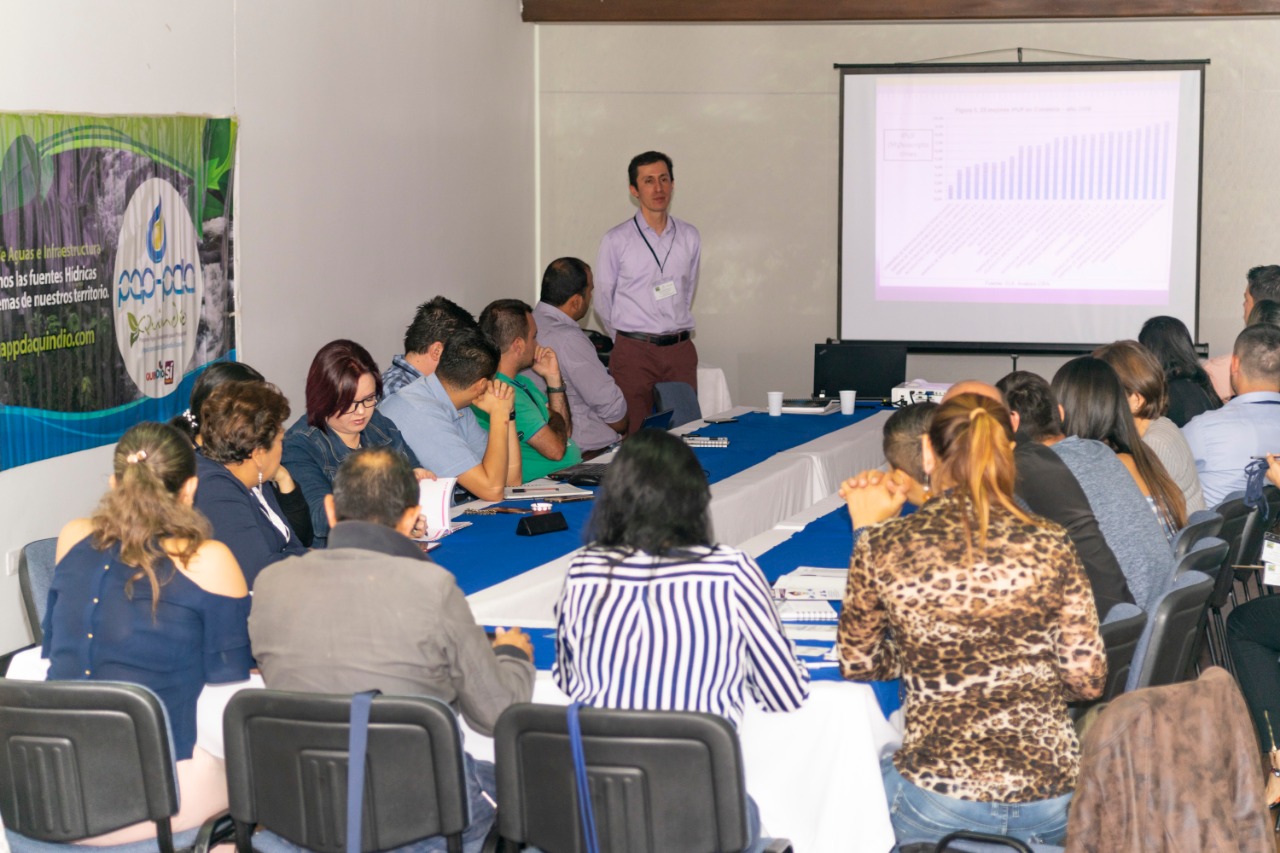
811,610
810,582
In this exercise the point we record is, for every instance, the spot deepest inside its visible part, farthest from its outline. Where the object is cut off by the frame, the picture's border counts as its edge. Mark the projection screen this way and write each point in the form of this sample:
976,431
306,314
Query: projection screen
998,205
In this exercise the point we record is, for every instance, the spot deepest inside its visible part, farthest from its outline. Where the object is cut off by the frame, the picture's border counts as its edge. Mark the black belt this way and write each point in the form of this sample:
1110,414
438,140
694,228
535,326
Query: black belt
658,340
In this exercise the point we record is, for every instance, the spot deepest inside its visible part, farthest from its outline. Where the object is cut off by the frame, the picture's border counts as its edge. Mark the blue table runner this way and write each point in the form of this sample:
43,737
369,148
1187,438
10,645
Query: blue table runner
489,552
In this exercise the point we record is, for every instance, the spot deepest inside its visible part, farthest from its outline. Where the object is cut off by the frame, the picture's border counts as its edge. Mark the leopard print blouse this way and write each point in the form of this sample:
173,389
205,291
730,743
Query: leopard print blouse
988,656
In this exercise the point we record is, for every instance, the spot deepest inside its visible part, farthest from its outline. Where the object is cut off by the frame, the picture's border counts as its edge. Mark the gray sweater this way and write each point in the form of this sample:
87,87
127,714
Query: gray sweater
1125,517
1170,447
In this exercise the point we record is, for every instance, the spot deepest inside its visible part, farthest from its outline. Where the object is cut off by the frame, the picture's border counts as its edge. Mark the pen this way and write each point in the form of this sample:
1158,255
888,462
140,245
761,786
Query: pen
537,490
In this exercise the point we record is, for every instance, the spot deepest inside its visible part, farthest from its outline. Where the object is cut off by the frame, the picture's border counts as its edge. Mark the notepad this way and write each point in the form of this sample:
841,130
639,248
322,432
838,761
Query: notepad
812,631
809,582
809,610
542,489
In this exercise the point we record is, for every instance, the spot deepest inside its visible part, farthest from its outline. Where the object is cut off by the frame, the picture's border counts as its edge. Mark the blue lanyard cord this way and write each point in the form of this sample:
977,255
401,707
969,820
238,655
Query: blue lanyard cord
357,746
662,264
1255,481
585,812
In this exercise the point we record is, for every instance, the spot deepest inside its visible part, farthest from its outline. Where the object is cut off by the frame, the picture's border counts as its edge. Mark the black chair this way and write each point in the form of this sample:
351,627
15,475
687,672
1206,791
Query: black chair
1166,654
1120,636
659,780
680,398
1243,528
1236,518
81,758
35,576
964,841
1200,525
286,759
1207,556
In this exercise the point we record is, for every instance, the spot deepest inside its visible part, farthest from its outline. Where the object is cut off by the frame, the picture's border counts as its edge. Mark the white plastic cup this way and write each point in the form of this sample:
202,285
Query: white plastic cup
775,403
847,399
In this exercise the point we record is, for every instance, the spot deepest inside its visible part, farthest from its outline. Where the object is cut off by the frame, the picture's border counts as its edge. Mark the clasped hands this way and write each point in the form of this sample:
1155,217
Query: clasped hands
874,496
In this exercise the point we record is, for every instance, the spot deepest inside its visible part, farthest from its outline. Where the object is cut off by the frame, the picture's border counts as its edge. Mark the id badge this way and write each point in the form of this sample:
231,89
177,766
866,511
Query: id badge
664,290
1271,559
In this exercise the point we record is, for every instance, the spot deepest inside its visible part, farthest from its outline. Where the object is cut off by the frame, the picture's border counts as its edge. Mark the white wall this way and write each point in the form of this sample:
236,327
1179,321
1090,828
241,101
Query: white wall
386,155
750,115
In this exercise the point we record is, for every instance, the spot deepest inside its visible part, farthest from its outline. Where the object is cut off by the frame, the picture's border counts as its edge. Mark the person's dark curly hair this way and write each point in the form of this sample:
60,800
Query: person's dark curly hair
239,417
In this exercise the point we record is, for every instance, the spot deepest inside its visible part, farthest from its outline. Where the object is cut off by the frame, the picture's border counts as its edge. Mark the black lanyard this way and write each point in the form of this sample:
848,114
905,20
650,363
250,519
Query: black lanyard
662,264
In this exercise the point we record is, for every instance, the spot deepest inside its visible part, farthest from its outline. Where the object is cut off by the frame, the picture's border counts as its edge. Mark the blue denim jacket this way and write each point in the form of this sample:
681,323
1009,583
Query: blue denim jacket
312,456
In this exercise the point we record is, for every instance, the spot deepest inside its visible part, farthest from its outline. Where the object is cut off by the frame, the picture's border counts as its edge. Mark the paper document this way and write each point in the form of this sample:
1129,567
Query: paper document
802,610
433,537
817,632
541,489
811,582
435,497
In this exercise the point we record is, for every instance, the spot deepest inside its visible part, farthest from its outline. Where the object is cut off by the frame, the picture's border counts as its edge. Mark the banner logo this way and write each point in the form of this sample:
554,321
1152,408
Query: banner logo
158,286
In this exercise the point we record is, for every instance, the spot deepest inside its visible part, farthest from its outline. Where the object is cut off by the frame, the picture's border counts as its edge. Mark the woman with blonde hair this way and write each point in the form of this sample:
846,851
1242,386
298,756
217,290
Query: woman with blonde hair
986,615
142,594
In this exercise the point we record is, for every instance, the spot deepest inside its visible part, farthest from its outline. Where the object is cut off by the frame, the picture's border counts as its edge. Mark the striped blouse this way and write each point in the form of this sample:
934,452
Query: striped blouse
689,631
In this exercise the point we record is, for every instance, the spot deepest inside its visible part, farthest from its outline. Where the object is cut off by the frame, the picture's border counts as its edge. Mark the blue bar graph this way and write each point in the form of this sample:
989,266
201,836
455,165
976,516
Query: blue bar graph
1117,165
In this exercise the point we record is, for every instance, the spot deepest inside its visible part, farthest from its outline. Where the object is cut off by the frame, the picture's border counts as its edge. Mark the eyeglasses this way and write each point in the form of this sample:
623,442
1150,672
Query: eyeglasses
367,403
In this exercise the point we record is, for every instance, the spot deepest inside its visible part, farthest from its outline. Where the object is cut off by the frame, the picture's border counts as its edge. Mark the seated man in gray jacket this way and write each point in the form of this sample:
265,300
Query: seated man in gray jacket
372,612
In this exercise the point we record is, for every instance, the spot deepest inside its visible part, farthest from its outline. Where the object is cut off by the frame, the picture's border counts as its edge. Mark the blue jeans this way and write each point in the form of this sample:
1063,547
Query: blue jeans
919,815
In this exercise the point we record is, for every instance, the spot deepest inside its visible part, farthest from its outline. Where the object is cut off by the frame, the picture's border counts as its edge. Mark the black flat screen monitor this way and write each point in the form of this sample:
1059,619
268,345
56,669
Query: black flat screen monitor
870,369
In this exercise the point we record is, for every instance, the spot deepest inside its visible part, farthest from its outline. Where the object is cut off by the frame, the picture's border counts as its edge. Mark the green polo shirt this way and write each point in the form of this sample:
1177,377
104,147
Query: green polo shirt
531,416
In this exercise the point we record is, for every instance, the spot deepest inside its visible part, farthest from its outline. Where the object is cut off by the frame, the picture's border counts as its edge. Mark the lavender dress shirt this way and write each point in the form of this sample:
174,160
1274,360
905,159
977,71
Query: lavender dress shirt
633,260
595,400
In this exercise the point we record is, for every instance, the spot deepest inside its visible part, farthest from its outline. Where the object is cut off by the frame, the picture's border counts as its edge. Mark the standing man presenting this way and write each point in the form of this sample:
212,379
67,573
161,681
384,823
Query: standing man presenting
645,276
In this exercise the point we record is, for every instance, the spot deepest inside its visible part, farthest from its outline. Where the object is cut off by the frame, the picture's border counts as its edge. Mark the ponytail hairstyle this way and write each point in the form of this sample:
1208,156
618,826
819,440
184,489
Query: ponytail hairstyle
972,440
1095,406
152,462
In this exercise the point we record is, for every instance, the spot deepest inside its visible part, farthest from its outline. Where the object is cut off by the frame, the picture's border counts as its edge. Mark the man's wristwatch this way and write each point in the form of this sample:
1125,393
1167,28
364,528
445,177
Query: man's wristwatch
555,389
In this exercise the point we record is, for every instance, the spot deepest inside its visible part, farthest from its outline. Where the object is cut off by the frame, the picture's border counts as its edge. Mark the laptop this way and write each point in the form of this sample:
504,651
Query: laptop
870,369
591,473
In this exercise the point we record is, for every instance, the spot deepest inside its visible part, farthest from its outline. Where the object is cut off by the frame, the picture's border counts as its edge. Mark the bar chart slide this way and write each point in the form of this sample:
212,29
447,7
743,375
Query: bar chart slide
1117,165
1043,195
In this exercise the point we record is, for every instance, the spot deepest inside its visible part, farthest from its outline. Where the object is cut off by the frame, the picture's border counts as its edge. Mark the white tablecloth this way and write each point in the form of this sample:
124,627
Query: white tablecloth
742,506
713,390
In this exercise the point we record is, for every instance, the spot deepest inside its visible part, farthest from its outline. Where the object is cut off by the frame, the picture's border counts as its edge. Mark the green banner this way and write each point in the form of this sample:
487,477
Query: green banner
116,273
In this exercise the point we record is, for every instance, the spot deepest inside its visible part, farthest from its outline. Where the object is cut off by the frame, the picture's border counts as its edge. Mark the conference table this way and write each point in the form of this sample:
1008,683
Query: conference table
814,773
773,469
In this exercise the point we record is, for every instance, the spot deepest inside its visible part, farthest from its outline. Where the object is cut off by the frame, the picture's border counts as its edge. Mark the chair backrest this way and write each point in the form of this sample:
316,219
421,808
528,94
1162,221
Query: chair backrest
659,780
286,757
680,398
35,576
1165,653
1207,556
1201,524
1235,518
80,758
1120,635
1255,526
